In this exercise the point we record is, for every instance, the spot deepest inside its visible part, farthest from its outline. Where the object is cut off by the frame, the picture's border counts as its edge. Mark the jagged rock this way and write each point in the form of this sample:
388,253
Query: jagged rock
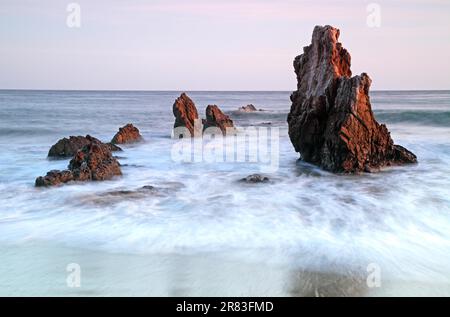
186,115
248,108
67,147
216,118
127,134
93,162
54,177
331,123
97,161
255,178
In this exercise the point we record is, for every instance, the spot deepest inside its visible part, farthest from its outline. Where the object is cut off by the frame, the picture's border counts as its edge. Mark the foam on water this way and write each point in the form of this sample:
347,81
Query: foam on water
305,217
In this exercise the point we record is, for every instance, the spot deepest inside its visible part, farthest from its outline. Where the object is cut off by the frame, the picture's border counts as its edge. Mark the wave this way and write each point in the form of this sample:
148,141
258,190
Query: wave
264,115
422,117
435,118
17,131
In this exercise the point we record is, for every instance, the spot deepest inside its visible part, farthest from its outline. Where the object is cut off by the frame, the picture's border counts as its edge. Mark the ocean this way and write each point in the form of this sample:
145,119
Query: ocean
307,232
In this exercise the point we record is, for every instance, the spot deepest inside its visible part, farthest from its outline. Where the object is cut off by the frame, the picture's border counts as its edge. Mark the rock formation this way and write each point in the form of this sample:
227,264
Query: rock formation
254,178
248,108
186,114
67,147
93,162
216,118
127,134
331,123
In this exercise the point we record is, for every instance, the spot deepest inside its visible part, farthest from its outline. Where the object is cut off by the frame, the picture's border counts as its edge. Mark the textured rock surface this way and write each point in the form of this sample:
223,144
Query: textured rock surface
93,162
67,147
127,134
54,178
185,114
216,118
331,123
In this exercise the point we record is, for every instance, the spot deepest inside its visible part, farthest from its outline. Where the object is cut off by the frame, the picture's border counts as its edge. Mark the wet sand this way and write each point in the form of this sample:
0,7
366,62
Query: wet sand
109,274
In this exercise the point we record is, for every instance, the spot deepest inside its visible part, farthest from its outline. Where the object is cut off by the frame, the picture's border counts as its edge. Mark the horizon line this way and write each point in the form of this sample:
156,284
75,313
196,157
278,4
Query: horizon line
187,90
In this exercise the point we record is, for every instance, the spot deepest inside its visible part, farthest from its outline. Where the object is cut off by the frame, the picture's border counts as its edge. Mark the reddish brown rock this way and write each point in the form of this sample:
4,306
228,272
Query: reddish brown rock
54,178
186,114
127,134
67,147
331,123
93,162
216,118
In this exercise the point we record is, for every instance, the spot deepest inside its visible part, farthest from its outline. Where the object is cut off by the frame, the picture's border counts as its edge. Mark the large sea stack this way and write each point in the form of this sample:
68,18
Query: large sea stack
331,123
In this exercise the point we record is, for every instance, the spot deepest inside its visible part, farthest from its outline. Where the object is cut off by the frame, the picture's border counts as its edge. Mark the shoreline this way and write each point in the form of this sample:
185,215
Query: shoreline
117,274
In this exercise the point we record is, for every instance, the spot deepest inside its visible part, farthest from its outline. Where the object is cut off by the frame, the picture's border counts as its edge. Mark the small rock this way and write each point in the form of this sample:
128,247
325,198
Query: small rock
248,108
216,118
255,178
54,178
147,187
127,134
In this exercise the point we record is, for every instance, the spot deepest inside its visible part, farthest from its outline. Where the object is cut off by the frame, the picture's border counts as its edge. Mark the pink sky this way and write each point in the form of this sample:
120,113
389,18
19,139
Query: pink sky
215,45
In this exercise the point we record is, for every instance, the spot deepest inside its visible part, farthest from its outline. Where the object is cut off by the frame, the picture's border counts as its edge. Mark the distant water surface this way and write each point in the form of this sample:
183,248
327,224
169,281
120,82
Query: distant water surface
308,232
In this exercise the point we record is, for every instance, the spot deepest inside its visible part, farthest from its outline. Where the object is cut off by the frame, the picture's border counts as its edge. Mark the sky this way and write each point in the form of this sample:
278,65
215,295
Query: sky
216,45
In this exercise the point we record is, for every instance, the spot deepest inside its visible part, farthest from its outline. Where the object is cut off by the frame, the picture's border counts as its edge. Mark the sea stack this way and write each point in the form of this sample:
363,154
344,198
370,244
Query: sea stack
331,123
216,118
186,115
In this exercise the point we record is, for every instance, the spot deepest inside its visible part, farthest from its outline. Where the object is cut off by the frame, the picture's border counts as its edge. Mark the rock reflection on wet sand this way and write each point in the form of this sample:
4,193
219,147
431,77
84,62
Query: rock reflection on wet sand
319,284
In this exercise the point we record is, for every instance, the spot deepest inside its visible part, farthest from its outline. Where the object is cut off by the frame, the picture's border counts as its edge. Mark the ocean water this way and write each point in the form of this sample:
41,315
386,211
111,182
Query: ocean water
201,232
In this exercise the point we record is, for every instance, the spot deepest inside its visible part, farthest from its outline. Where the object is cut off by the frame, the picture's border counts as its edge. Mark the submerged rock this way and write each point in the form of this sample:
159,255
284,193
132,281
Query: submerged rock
331,123
186,114
142,192
255,178
67,147
216,118
248,108
93,162
127,134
